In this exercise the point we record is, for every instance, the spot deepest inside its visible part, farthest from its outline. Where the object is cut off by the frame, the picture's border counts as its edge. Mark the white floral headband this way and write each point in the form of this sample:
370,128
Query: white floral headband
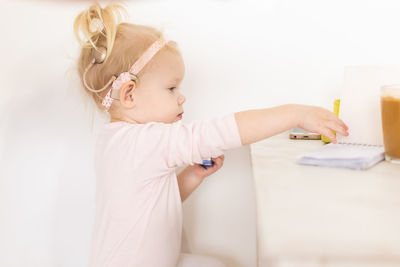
118,82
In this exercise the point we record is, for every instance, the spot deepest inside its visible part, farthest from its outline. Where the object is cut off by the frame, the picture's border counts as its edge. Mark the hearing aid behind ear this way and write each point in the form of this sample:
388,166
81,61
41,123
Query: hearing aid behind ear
117,80
99,54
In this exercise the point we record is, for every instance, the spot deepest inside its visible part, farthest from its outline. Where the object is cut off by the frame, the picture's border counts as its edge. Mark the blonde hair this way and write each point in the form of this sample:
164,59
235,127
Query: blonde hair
124,42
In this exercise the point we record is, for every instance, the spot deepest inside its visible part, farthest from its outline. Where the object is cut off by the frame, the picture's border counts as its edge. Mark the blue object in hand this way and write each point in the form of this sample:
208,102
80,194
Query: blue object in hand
207,162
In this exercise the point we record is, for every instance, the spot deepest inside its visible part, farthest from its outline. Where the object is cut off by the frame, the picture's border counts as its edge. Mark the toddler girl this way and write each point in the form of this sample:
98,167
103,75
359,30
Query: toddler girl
134,74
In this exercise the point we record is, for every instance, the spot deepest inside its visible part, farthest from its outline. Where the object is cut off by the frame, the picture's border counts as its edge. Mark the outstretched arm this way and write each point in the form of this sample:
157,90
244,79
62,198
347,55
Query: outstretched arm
258,124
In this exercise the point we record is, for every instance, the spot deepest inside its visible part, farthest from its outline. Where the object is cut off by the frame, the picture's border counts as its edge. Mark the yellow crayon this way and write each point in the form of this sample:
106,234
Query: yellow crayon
336,105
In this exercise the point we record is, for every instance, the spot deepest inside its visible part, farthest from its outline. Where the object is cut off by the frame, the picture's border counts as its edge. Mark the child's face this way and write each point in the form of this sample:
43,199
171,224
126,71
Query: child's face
155,101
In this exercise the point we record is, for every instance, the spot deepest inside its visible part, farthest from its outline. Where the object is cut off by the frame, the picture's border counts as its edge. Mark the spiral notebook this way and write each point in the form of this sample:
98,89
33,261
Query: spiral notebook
360,110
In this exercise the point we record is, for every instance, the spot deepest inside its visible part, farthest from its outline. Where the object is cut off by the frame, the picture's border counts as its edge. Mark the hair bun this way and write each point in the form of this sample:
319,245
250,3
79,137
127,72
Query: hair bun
96,25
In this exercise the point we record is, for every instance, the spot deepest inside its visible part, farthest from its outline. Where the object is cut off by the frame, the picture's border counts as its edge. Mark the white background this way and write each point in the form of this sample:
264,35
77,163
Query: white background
238,55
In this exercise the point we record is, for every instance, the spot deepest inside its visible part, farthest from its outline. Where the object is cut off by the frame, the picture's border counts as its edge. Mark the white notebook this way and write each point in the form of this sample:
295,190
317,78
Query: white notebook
360,110
352,156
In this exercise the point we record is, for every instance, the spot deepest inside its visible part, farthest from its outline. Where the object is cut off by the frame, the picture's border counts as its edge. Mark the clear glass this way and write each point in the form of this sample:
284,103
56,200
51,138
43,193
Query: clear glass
390,112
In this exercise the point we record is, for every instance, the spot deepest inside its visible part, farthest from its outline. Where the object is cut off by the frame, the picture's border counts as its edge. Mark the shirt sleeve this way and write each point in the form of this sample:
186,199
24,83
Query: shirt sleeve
189,143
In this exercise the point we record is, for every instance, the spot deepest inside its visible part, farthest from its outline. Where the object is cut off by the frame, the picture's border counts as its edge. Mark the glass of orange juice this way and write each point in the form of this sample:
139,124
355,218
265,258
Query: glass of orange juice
390,112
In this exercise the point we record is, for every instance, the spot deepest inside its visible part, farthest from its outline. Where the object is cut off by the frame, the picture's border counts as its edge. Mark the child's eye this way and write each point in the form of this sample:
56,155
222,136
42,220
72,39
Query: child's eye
171,89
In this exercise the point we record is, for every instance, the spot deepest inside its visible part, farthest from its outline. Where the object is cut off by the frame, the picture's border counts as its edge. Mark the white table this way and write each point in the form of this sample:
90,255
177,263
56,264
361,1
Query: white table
320,216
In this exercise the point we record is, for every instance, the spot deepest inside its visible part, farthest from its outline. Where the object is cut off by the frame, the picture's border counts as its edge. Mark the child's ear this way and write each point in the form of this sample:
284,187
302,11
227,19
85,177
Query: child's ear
126,94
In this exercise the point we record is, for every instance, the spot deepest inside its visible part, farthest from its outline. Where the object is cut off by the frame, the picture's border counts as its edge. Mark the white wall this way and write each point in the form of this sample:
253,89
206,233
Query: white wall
238,55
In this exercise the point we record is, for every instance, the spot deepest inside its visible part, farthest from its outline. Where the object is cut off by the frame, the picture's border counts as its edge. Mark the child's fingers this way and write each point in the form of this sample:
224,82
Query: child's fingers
218,161
219,157
342,123
328,133
335,118
336,127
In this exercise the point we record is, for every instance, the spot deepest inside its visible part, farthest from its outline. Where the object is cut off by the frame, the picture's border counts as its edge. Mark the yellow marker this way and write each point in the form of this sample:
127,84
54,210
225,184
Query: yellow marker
336,105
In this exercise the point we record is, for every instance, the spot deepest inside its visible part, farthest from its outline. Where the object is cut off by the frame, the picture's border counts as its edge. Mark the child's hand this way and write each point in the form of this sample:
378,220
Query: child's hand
201,172
320,120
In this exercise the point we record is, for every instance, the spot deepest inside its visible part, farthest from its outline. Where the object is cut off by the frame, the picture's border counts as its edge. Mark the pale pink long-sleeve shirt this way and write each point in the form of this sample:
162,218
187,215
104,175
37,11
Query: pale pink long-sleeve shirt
138,220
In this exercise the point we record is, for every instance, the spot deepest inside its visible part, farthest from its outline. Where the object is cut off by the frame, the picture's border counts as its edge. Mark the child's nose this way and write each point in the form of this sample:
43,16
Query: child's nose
182,99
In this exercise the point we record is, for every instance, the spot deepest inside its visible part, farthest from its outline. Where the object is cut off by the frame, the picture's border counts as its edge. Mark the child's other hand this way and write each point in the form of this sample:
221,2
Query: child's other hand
320,120
201,172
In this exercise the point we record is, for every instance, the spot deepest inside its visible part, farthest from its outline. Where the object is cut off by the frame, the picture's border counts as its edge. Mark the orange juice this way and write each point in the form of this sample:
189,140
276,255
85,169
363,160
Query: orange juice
390,111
